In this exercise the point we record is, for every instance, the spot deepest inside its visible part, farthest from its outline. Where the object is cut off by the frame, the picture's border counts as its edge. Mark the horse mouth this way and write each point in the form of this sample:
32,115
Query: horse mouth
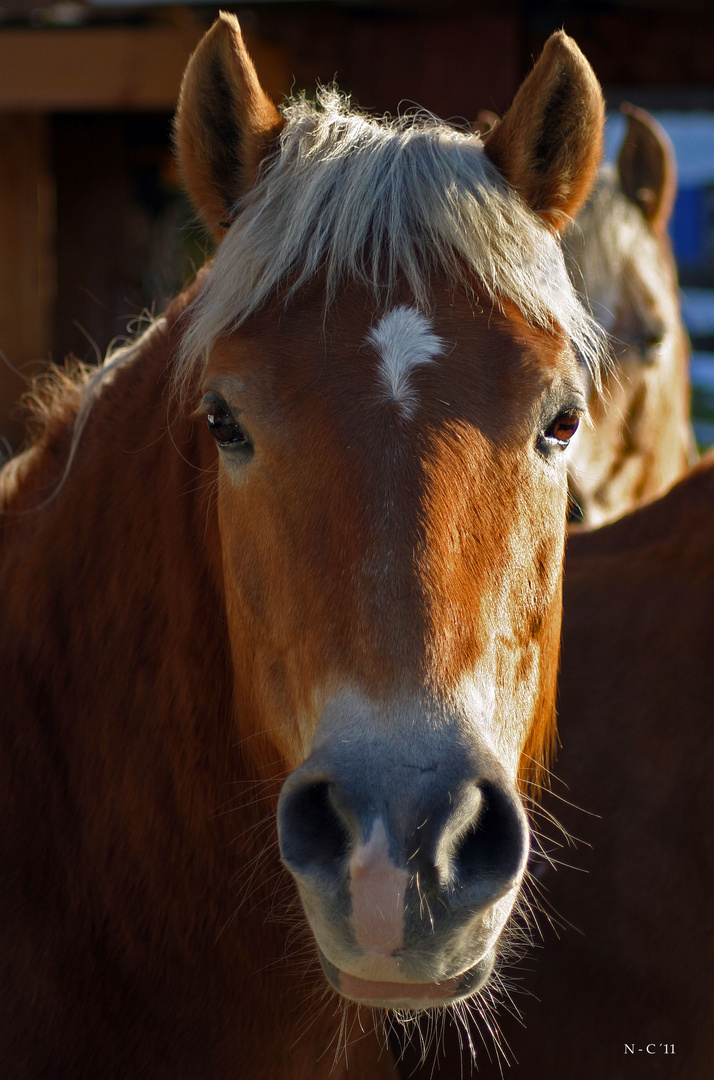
414,997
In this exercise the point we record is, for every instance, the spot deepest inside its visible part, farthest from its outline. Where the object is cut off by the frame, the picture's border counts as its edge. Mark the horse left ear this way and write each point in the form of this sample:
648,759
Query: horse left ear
647,167
549,143
224,124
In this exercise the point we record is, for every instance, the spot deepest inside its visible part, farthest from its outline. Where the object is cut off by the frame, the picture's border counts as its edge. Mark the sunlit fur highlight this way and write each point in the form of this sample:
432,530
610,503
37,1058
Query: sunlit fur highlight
67,396
382,202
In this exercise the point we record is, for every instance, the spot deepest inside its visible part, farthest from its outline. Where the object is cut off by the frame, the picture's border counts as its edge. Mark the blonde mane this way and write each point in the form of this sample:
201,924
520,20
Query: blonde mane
378,201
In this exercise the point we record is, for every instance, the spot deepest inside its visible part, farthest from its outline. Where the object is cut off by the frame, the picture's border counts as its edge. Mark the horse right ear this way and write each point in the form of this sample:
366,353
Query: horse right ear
549,143
224,124
647,167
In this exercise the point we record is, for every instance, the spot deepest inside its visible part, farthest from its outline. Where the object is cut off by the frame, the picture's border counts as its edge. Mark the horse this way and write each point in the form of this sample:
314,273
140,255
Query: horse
621,984
639,438
282,594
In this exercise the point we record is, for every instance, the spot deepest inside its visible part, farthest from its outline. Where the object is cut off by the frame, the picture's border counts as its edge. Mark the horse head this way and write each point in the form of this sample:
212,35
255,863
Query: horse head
639,438
389,357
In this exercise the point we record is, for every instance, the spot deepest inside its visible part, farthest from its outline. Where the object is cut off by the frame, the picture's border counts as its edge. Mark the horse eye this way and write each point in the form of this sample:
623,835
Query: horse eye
224,428
563,427
648,347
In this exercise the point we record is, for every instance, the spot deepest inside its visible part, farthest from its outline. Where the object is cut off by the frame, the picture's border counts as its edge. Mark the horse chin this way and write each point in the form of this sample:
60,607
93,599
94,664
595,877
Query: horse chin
414,997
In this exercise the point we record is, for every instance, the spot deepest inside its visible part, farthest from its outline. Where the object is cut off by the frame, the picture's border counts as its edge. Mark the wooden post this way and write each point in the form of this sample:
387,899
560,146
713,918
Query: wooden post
27,278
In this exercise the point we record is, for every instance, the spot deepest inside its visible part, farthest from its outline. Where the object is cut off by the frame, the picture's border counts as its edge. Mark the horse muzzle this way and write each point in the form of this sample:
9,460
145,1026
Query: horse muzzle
408,843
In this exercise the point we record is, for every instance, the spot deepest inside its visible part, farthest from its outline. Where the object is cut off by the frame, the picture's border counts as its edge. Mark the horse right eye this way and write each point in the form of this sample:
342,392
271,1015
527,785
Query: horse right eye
564,427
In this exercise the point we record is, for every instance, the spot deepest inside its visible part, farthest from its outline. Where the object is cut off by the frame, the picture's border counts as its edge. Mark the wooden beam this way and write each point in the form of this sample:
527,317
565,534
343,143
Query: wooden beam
121,69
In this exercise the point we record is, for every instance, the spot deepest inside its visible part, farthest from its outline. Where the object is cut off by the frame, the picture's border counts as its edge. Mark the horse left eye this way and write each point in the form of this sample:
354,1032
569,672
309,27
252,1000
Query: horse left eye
224,428
563,427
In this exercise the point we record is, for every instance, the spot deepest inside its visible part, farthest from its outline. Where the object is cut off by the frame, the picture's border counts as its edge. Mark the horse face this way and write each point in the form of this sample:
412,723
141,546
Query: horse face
391,496
639,439
391,489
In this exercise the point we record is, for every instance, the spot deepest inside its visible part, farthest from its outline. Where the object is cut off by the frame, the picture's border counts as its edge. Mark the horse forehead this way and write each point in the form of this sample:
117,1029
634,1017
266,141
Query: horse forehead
301,359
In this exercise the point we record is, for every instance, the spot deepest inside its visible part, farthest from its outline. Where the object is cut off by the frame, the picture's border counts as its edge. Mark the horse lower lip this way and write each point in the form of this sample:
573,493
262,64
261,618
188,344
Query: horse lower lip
406,995
399,995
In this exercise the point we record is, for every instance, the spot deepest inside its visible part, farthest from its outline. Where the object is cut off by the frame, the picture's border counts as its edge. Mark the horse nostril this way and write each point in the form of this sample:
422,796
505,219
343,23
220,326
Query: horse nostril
314,838
488,855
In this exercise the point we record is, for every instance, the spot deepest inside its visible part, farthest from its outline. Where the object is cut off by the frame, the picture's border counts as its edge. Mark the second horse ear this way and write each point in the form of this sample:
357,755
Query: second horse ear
549,143
647,167
225,124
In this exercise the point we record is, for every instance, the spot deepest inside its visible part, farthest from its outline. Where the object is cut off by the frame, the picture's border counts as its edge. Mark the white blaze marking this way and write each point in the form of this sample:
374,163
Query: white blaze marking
378,888
404,339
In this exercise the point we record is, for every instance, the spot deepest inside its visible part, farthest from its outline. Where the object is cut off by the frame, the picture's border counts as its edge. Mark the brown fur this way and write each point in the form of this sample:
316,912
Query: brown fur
170,634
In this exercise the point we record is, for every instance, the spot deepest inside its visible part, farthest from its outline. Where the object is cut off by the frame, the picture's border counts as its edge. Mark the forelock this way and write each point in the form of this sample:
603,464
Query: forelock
383,203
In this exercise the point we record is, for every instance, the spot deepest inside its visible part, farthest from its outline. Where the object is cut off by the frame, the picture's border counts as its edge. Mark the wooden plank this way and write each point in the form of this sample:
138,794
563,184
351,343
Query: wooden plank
110,69
27,275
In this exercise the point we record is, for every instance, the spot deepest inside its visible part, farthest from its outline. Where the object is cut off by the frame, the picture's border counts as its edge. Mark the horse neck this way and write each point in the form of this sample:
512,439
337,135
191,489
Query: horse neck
115,663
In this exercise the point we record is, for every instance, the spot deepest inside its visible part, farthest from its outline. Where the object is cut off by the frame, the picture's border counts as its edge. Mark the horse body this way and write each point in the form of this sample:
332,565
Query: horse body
639,439
343,568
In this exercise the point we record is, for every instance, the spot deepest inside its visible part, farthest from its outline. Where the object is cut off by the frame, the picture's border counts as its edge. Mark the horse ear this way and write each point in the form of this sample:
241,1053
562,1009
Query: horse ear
485,122
549,143
647,167
224,123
